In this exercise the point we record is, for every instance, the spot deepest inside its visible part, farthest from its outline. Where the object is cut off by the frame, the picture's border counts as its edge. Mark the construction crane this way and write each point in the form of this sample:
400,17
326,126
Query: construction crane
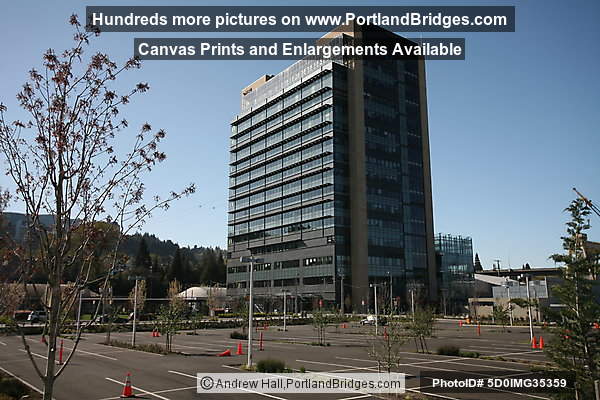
589,203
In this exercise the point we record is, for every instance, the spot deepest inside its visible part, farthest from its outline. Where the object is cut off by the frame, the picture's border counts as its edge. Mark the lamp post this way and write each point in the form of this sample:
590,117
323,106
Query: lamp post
284,310
509,303
251,260
391,297
374,286
412,303
526,277
135,291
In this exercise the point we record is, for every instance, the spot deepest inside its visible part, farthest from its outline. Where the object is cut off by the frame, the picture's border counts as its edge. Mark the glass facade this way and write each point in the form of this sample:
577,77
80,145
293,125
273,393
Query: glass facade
291,191
455,271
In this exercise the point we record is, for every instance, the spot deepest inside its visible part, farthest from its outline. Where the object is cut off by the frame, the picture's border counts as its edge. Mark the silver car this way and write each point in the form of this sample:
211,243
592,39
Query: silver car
37,316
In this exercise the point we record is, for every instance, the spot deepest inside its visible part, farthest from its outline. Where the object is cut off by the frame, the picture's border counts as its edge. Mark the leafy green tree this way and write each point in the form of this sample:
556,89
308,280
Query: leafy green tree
421,327
575,345
386,349
138,300
501,315
170,315
320,322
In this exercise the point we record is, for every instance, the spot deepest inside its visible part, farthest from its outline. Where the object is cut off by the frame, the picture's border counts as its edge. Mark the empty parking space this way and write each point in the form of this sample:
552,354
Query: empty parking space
98,371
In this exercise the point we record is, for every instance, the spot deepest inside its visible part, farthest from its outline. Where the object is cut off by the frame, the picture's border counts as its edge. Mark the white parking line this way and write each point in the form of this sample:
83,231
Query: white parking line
246,390
34,354
356,397
339,365
138,389
451,361
23,381
418,365
91,354
3,344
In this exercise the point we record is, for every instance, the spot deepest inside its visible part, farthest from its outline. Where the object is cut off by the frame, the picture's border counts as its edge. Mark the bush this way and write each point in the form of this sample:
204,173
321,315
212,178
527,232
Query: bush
448,350
270,365
238,335
12,388
469,354
149,348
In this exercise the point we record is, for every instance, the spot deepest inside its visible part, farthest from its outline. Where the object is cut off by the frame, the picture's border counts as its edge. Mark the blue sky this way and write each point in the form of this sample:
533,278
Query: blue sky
513,127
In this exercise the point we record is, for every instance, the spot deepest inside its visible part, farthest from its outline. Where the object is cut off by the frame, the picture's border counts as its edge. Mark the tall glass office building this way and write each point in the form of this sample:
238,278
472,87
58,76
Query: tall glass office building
330,182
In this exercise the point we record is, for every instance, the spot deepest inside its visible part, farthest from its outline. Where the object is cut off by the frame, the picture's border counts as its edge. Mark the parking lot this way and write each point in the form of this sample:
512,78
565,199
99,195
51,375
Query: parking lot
98,371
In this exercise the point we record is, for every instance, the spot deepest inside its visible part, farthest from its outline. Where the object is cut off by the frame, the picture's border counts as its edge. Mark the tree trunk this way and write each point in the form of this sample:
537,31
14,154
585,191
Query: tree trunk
53,325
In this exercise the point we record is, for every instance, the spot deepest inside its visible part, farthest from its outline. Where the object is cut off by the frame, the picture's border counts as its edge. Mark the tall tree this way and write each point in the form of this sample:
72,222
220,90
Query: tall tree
477,266
575,346
142,261
176,270
213,267
63,162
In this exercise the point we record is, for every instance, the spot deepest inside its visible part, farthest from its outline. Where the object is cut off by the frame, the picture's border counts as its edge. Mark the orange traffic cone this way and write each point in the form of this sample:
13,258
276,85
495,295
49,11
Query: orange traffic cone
541,345
239,351
226,353
534,343
127,389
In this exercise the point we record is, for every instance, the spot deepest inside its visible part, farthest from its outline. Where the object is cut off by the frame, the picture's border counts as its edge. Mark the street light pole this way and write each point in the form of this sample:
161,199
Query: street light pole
284,311
374,286
412,303
529,308
509,304
250,260
342,293
250,313
134,311
391,296
79,311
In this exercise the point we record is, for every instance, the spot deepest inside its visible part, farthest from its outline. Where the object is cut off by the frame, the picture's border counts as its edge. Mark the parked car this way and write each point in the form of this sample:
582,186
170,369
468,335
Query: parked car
21,315
370,320
37,316
103,319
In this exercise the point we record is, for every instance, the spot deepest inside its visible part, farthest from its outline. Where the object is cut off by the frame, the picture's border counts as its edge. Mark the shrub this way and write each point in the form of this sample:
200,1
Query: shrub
149,348
448,350
238,335
12,388
470,354
302,369
270,365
